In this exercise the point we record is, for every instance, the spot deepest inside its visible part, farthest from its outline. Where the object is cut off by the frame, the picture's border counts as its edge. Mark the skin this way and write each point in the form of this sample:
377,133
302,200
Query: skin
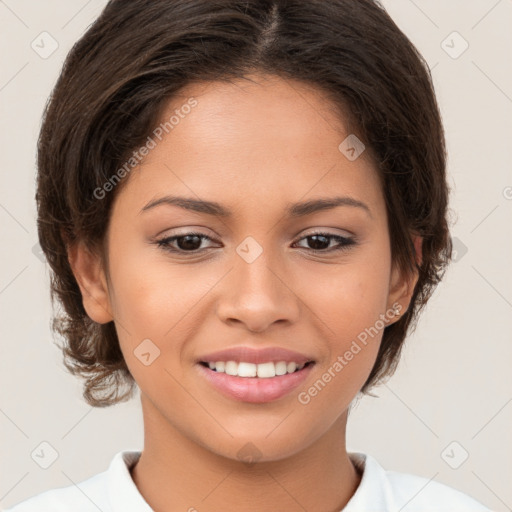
273,142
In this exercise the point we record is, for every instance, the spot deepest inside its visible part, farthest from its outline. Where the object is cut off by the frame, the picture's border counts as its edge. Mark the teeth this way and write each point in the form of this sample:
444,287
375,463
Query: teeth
290,367
263,370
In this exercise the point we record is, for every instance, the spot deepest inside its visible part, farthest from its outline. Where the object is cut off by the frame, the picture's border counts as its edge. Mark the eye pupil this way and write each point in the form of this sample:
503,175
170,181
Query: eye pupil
316,238
186,245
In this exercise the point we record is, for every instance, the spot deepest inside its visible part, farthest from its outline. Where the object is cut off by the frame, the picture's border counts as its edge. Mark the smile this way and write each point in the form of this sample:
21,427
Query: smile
262,370
255,383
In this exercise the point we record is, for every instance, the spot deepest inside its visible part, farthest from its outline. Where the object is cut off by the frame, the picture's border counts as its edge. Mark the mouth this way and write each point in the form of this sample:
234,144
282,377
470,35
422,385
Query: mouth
247,382
250,370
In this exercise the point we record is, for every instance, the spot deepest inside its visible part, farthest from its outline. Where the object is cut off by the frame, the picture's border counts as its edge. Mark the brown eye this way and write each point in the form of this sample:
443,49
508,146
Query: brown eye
320,242
188,242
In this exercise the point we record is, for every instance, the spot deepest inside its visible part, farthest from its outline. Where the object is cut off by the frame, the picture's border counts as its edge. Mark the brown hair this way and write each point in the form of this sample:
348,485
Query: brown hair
131,61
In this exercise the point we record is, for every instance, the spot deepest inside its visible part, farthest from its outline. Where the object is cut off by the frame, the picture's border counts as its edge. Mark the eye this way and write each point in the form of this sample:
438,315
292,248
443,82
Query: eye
191,242
187,242
321,242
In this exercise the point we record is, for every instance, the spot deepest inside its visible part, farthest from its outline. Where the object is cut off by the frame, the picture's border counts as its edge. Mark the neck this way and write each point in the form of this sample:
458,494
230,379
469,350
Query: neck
173,469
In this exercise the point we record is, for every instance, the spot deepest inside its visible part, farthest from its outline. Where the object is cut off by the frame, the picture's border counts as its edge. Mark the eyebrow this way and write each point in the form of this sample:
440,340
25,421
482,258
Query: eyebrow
293,210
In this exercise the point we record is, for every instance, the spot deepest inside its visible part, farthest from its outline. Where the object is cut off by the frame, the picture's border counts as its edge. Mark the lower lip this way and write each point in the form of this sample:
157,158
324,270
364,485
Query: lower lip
254,389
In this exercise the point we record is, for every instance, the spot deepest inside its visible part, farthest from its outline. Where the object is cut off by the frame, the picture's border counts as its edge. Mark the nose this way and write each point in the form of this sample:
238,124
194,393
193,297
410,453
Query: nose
258,294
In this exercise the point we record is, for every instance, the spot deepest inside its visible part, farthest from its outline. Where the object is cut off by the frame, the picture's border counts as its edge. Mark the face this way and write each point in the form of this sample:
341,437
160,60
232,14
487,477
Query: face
313,281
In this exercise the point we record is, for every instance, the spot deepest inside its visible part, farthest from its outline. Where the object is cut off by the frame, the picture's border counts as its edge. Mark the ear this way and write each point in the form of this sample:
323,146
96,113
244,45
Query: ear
88,270
401,287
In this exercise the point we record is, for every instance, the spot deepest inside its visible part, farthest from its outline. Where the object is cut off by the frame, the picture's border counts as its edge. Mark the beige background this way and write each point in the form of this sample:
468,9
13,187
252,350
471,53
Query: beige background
454,383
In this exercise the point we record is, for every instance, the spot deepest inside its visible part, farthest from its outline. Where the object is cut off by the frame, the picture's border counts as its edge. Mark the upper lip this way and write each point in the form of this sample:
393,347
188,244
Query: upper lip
255,356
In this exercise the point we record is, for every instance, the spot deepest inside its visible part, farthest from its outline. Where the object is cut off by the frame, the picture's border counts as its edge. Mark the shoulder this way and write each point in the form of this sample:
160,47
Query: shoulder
111,490
95,493
88,495
418,493
392,491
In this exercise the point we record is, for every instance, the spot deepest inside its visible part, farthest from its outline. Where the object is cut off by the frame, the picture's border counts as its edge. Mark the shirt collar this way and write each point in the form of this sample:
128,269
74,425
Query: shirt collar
373,492
122,491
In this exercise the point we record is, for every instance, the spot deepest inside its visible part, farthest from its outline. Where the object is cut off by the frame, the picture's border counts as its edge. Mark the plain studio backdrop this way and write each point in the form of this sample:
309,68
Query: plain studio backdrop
447,412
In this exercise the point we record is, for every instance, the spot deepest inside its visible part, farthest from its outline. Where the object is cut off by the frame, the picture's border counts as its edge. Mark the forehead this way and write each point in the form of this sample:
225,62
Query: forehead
256,141
258,108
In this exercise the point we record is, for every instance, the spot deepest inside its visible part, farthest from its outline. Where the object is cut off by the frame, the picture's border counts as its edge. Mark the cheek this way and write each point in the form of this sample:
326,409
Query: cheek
151,294
350,303
156,300
349,306
350,296
150,304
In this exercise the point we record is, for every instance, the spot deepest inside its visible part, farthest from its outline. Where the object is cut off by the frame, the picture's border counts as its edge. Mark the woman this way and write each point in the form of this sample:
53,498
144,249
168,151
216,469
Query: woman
243,204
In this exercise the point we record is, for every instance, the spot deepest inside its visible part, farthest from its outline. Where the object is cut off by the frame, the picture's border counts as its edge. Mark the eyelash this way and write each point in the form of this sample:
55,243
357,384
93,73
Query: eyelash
345,243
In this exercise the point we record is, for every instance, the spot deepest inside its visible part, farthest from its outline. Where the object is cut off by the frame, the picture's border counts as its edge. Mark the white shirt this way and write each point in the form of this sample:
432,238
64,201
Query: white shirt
379,491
